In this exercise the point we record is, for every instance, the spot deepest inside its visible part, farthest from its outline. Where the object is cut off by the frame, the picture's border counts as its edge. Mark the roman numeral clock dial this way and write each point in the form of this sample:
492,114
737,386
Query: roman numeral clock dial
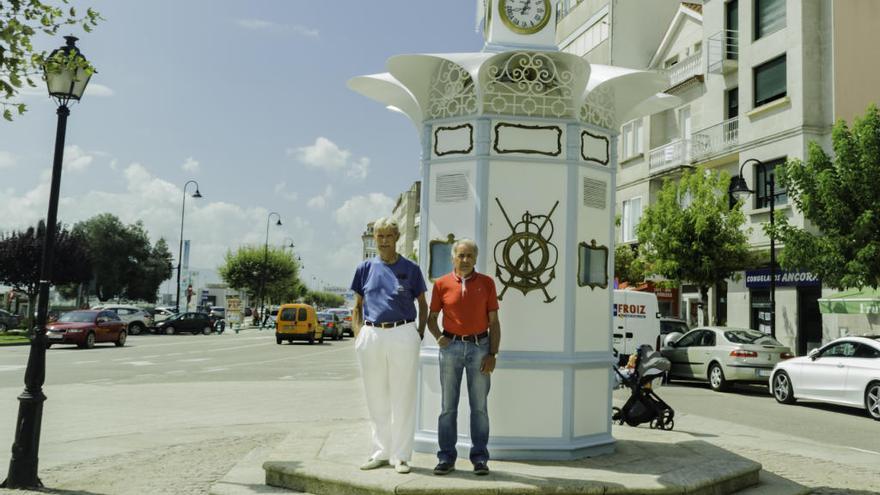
524,16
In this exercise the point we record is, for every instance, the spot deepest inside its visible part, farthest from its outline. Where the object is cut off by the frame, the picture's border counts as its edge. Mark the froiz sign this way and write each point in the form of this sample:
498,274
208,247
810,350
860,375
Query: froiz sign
630,310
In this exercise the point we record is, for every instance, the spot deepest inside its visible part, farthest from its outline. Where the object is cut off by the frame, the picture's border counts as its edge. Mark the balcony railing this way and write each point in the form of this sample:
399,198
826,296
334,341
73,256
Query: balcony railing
715,139
723,51
689,68
669,156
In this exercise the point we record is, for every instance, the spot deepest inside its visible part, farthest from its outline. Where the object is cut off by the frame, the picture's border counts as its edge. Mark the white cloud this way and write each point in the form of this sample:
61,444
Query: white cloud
357,212
7,160
359,169
326,155
281,190
191,165
98,90
320,201
77,159
274,27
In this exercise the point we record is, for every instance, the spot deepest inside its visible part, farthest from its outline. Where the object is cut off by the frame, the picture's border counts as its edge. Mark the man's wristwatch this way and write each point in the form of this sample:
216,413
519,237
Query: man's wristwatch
493,354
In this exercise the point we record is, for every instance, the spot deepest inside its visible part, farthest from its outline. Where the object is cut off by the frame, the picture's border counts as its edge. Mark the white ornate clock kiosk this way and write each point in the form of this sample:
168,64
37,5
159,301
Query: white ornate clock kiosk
519,153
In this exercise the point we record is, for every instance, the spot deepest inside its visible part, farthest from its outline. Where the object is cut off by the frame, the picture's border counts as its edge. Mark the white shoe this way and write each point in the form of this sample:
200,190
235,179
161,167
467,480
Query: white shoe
402,467
373,464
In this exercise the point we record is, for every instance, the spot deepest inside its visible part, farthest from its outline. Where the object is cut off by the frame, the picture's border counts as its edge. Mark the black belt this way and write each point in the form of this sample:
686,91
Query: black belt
465,338
388,324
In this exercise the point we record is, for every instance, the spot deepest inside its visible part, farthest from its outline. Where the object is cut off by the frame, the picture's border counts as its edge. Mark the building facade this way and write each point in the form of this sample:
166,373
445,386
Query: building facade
369,242
406,214
755,79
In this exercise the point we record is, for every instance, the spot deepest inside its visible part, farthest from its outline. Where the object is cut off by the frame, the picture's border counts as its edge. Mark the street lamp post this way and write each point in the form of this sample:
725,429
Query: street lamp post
741,191
196,195
265,265
67,77
290,244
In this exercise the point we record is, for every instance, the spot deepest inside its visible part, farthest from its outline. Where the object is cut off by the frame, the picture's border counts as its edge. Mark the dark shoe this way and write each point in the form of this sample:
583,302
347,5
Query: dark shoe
481,469
444,468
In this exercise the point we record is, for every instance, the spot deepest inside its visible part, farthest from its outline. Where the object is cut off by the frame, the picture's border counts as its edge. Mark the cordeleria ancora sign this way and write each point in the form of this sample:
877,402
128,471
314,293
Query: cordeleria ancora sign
760,279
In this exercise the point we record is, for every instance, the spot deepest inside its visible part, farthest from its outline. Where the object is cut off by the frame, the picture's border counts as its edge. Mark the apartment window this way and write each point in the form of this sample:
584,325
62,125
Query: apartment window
763,175
632,139
769,17
770,81
632,212
670,62
732,103
731,25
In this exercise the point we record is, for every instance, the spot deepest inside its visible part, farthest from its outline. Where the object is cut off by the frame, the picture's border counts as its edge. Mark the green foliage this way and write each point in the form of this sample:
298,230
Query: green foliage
690,233
324,299
21,22
124,262
244,269
840,196
628,267
21,255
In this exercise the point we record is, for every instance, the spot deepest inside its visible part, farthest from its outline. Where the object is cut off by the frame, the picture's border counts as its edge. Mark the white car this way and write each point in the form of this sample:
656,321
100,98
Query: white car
845,371
137,319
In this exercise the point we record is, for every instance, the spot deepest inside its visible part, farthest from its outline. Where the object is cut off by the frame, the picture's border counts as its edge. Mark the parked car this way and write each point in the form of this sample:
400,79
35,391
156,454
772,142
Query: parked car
136,318
8,320
85,328
217,313
722,355
298,322
345,315
845,371
332,324
161,314
668,326
186,322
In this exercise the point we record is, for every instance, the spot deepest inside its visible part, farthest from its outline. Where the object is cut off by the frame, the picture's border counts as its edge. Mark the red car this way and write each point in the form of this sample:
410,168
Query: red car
86,328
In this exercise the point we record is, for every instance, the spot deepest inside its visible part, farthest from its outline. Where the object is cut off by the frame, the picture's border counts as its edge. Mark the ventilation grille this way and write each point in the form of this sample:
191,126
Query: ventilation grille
451,188
594,193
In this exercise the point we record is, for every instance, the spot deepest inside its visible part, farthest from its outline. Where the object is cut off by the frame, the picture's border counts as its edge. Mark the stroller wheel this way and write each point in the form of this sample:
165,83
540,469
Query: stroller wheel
666,421
655,424
615,413
669,425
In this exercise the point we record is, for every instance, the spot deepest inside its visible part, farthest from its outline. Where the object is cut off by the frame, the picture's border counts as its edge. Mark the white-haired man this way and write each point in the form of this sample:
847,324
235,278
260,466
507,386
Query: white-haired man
387,345
468,344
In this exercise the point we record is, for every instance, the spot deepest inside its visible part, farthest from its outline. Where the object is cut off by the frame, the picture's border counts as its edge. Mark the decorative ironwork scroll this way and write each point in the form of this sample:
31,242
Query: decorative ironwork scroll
452,92
526,256
529,83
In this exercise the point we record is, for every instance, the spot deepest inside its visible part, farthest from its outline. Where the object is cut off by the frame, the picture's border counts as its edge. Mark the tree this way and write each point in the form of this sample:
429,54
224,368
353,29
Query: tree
839,195
21,21
628,267
244,269
324,299
21,255
691,233
125,263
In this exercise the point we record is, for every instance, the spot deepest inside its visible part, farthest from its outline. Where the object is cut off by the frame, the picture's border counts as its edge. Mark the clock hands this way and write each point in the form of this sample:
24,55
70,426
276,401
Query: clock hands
526,5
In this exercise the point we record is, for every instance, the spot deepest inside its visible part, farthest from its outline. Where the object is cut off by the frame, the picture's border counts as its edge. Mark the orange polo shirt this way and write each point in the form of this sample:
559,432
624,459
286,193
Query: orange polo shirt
465,303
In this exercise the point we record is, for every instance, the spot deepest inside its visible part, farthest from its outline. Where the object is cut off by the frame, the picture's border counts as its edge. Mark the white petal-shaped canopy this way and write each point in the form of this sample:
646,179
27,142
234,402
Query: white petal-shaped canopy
655,104
623,93
385,89
417,71
619,89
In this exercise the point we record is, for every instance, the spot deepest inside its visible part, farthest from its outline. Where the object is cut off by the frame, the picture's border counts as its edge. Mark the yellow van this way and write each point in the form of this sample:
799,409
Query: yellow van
297,322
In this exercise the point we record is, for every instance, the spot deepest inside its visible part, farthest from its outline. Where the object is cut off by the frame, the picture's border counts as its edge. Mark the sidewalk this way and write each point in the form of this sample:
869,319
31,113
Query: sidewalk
323,459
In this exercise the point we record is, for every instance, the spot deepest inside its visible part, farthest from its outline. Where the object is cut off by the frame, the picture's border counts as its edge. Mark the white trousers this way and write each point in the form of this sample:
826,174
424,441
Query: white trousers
389,361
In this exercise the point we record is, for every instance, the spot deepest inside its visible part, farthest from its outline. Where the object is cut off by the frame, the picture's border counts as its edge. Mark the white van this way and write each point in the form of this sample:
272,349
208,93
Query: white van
636,320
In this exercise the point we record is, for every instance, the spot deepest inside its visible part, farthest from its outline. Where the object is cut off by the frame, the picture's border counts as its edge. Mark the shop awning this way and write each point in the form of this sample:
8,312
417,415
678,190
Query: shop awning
865,301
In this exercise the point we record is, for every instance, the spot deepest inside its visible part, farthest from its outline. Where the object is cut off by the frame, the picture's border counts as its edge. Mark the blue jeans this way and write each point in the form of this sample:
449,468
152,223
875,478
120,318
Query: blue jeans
456,358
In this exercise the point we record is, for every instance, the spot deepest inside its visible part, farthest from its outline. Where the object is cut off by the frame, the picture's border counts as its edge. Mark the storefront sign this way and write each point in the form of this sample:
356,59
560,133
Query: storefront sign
760,279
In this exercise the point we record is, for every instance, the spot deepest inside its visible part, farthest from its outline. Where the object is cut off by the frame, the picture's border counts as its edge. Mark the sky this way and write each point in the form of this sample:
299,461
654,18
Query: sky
248,98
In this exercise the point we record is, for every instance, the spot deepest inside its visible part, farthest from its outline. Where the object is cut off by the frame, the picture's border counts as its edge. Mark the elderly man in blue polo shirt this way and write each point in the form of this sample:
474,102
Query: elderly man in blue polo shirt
387,345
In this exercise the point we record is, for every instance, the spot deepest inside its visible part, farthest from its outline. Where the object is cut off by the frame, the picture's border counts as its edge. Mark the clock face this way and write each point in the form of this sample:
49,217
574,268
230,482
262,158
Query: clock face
524,16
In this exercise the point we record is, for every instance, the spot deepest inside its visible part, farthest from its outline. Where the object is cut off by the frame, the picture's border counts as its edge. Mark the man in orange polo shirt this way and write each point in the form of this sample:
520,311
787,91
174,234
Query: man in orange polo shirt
468,344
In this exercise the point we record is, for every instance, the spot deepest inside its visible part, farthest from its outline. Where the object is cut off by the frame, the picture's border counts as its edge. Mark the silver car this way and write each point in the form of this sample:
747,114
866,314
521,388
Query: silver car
135,318
721,355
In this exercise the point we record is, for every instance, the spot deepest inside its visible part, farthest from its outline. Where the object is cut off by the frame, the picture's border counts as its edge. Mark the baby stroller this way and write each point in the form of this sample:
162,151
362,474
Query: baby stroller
644,405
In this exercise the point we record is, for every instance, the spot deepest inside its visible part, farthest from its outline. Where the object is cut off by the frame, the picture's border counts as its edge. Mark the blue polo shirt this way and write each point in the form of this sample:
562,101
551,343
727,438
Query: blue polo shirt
389,291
